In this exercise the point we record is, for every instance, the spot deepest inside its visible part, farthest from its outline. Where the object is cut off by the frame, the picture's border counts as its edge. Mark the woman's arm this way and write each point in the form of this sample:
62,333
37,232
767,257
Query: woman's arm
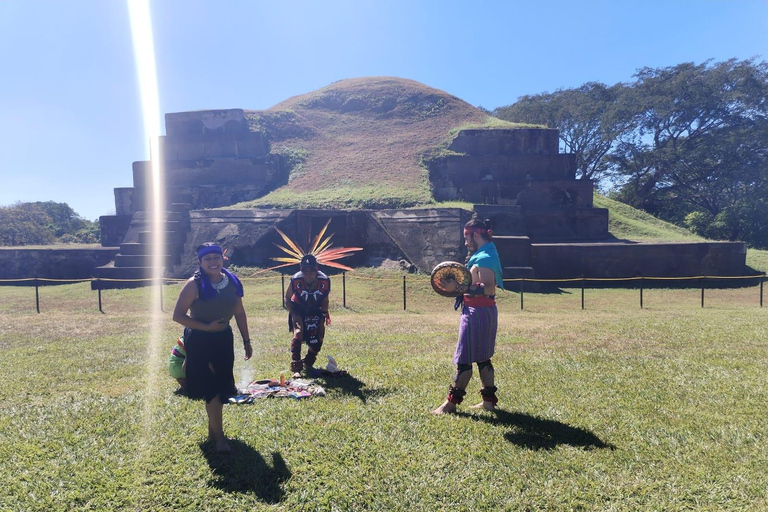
186,298
242,325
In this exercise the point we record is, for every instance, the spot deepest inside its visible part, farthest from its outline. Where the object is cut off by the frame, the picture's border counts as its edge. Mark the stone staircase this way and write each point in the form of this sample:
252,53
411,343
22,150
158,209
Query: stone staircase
134,259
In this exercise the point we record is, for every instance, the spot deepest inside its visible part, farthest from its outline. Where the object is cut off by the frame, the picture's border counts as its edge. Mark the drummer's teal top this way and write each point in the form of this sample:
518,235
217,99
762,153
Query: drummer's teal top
488,257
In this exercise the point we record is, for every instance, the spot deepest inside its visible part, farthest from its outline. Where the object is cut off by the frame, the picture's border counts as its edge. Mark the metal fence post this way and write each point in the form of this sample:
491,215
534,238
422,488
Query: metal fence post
702,292
37,295
98,287
403,293
522,287
641,292
344,290
582,292
160,282
282,287
761,289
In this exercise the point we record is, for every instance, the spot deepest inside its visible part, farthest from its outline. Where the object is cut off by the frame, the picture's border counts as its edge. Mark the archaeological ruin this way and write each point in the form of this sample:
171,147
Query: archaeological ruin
546,224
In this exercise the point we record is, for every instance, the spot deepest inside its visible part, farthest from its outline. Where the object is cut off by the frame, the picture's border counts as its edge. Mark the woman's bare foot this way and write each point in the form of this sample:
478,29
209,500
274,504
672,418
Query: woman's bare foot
488,406
222,445
447,408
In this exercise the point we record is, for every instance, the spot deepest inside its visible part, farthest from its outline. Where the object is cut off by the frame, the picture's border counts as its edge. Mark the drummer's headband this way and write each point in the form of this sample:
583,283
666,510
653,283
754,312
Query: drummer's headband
476,229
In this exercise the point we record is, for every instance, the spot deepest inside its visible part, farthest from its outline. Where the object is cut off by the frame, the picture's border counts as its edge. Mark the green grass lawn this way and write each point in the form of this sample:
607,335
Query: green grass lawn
608,408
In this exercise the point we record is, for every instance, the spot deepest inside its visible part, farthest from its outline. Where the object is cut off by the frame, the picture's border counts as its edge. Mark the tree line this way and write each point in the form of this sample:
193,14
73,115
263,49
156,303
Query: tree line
45,223
687,143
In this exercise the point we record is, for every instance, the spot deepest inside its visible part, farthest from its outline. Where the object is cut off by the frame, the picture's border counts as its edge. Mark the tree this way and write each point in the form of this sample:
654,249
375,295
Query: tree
44,223
699,144
63,218
19,226
586,118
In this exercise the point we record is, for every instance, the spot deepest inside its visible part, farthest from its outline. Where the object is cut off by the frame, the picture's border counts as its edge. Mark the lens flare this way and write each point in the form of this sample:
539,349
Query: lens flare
154,193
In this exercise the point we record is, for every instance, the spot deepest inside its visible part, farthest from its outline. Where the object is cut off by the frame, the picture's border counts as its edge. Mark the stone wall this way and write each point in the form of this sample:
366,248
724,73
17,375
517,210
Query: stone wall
404,238
560,261
21,263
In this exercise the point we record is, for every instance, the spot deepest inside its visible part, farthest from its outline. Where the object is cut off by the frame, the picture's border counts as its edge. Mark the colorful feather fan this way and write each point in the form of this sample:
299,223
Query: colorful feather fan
320,249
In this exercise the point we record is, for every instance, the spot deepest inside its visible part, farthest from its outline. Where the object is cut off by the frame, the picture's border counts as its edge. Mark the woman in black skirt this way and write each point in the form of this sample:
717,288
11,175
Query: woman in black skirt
206,304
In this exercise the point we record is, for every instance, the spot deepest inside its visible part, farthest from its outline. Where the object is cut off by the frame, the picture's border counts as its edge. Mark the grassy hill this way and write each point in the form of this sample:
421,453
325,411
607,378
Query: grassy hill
360,142
626,222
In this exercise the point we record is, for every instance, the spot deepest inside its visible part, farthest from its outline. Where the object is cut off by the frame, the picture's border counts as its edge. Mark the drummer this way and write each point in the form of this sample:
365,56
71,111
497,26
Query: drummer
479,318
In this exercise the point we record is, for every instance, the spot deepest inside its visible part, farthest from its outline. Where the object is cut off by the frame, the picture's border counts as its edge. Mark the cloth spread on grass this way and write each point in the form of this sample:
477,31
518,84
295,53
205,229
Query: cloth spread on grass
296,388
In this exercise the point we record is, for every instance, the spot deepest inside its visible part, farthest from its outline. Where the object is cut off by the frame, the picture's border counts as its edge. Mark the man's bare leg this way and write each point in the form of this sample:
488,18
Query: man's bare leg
457,391
489,390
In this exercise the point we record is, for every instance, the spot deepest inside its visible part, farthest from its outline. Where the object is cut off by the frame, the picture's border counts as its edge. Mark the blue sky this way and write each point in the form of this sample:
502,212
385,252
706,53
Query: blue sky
70,111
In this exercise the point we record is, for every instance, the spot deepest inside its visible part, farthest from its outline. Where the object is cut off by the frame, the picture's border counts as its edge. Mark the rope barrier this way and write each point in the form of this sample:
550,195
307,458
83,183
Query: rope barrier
395,279
419,280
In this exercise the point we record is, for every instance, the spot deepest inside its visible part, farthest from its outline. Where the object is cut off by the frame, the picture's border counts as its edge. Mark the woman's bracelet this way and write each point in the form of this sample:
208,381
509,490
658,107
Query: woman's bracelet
246,342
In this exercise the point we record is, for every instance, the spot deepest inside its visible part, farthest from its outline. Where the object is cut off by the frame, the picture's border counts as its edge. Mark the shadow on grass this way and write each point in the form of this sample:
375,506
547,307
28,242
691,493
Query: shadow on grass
540,434
349,385
244,470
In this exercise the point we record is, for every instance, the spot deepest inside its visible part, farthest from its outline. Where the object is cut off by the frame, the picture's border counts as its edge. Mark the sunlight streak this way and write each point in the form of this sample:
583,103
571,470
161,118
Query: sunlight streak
154,193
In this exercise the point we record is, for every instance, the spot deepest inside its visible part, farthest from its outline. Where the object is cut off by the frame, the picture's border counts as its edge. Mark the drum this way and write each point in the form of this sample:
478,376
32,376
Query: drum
451,271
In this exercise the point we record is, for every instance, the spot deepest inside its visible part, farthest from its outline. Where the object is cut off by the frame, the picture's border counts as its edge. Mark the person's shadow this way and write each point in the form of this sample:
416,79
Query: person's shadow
349,385
536,433
244,470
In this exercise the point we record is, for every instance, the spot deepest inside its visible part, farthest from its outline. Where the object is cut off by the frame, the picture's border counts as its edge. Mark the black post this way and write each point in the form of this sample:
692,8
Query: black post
282,287
403,293
37,295
344,290
641,293
761,289
702,292
522,287
98,287
582,292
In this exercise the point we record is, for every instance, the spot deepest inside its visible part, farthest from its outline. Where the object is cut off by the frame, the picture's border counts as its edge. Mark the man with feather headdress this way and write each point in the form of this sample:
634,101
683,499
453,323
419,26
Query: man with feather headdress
306,299
307,303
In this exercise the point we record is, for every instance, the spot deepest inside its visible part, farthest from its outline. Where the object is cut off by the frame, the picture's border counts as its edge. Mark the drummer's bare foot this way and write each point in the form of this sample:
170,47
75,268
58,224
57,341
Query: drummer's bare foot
447,408
488,406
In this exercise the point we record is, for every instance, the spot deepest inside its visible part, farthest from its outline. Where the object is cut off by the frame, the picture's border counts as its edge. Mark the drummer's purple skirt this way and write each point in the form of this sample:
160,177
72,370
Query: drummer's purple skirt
477,334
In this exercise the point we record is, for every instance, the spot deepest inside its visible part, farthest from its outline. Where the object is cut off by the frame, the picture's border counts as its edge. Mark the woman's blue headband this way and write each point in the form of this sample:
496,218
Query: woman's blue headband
209,249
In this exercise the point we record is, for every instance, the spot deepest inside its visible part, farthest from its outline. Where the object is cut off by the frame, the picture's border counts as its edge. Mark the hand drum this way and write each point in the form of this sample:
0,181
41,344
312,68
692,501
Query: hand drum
451,271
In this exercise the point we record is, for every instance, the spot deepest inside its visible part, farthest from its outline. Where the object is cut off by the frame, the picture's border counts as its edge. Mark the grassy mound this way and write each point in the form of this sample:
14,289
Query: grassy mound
359,143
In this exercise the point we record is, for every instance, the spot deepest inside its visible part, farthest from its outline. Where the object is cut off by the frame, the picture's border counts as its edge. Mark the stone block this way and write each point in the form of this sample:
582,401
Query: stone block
549,194
206,122
113,229
506,219
514,251
124,201
618,259
506,141
567,224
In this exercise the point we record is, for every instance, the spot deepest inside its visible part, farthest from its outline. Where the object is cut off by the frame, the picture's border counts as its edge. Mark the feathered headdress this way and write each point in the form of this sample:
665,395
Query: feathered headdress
320,249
